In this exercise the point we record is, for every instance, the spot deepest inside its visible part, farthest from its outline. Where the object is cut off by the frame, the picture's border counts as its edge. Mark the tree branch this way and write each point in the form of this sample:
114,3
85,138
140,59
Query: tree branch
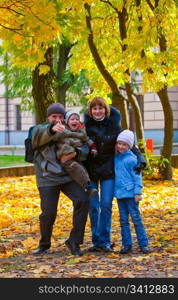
150,4
107,76
16,30
110,4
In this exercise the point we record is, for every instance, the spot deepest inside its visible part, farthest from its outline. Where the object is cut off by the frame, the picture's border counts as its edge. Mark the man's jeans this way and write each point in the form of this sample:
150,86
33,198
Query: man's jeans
100,212
130,207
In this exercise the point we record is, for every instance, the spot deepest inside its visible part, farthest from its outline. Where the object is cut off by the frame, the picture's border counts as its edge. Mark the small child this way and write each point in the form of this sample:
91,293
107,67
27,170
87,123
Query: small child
75,136
128,191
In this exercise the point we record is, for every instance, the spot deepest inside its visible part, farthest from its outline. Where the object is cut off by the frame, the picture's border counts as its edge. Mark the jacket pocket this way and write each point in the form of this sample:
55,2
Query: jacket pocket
129,186
51,167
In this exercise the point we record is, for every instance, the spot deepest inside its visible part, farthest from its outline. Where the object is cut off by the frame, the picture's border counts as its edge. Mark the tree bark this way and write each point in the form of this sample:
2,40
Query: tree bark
137,112
166,170
63,57
42,88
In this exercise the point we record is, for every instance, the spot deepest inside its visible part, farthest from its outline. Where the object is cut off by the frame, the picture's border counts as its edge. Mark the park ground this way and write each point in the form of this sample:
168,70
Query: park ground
19,227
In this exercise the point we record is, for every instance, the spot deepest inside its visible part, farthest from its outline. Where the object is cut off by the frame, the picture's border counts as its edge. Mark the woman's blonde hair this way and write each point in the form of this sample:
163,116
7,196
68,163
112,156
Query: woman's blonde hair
101,102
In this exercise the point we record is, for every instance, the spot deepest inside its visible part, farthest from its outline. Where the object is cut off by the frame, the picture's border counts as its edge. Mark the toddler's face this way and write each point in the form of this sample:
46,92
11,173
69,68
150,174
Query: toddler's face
74,122
122,147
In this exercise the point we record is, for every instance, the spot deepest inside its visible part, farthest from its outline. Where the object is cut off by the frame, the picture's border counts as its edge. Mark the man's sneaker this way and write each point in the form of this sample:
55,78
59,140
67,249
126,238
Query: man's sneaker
145,249
126,249
74,249
40,251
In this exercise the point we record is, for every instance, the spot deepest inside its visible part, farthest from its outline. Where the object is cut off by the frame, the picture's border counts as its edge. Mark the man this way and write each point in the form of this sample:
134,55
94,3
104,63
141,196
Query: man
51,179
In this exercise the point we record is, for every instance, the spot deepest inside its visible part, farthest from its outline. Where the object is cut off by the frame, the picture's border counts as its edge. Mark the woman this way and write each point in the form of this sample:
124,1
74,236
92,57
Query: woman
103,124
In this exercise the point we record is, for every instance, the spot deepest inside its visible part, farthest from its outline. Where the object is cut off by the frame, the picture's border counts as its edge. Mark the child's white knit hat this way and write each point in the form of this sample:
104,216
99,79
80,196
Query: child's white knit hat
69,113
126,136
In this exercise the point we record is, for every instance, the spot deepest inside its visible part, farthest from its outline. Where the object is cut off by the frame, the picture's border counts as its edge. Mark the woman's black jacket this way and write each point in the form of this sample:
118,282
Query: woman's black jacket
104,134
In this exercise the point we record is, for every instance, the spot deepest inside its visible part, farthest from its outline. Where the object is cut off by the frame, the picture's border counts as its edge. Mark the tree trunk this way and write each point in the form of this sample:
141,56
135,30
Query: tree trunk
118,99
63,57
119,102
166,170
137,112
42,88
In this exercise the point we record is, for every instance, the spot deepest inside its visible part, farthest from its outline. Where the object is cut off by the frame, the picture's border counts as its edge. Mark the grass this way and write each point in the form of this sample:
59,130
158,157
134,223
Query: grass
11,160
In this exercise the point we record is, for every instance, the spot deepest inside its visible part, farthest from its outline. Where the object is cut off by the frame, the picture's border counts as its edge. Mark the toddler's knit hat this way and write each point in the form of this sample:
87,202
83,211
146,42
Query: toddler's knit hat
126,136
69,113
55,108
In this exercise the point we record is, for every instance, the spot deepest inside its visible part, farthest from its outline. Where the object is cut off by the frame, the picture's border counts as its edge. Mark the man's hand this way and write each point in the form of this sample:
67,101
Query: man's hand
138,198
58,127
66,157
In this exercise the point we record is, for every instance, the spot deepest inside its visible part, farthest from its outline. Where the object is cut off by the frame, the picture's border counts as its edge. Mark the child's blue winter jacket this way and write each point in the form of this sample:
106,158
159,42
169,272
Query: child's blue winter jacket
127,182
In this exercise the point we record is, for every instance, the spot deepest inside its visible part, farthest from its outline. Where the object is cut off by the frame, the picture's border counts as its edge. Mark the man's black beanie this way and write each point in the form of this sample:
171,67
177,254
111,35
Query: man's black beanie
55,108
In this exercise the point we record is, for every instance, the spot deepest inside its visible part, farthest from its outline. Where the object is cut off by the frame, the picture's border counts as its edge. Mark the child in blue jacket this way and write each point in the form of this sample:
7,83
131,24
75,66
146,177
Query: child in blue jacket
128,191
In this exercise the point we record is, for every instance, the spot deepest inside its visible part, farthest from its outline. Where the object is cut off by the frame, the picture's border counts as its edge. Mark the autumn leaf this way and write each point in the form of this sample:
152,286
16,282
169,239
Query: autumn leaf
19,226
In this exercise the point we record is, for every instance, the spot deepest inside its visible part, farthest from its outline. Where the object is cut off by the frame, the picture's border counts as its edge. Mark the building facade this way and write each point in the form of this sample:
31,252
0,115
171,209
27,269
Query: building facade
14,123
154,117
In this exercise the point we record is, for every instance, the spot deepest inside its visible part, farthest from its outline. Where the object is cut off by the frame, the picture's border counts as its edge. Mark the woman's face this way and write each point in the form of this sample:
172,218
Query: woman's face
98,112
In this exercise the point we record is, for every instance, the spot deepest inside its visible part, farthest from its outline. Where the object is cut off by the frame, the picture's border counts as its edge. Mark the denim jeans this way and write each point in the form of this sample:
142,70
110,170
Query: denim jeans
100,212
130,207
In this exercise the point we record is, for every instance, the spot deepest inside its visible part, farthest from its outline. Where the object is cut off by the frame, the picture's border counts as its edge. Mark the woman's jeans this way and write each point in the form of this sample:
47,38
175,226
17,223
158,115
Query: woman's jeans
100,212
130,207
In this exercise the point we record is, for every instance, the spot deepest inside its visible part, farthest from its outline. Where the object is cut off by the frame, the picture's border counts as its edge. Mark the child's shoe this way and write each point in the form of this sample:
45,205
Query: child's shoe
126,249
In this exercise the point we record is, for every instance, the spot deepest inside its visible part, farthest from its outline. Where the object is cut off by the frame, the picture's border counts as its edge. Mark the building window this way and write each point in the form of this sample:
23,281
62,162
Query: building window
18,118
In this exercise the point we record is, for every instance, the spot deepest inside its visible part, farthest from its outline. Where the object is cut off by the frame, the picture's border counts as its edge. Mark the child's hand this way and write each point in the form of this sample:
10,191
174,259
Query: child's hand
139,167
66,157
138,198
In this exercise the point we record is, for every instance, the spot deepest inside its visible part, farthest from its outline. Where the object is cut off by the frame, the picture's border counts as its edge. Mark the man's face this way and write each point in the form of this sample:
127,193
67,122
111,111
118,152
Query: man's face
55,118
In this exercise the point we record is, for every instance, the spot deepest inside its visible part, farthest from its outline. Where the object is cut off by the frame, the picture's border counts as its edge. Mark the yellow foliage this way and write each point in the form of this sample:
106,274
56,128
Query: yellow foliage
43,69
25,25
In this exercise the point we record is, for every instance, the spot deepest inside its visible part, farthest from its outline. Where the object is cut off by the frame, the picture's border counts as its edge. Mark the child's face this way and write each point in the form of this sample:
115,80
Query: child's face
98,112
122,147
74,122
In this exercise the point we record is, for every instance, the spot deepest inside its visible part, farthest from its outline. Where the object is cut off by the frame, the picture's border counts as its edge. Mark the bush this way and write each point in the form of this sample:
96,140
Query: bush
154,163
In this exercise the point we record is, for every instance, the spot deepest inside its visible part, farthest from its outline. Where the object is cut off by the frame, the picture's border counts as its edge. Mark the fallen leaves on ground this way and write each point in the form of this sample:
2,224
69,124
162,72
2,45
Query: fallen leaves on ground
19,225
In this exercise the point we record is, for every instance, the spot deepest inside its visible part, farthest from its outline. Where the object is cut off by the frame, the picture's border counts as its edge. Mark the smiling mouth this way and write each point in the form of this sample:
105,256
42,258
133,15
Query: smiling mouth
74,126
